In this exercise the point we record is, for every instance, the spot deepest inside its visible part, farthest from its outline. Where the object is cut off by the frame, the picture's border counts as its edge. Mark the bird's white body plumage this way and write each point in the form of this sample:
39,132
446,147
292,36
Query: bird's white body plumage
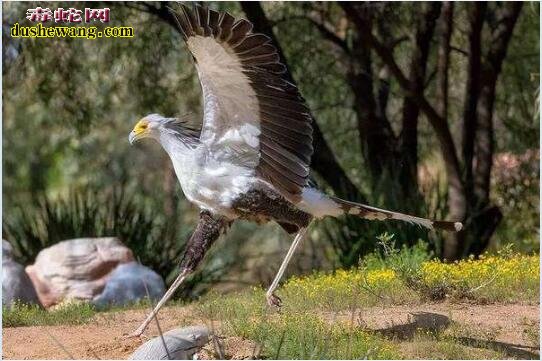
209,183
214,184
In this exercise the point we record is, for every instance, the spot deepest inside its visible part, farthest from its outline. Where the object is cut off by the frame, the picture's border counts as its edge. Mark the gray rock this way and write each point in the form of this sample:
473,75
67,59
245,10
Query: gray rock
182,344
7,251
126,284
76,269
16,285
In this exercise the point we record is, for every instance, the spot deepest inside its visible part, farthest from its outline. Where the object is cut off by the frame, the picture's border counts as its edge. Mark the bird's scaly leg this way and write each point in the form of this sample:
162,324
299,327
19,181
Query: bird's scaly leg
207,231
272,299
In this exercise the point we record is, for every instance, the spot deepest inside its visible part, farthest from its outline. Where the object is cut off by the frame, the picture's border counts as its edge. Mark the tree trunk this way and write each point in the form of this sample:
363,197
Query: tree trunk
456,197
443,57
408,146
476,16
486,217
485,141
375,133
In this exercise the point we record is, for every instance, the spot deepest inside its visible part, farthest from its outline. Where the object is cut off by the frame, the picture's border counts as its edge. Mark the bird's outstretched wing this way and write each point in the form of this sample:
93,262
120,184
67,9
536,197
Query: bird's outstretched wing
252,115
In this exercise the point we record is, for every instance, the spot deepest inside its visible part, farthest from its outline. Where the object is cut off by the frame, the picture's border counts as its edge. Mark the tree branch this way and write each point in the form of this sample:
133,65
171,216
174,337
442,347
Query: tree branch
375,133
327,32
438,123
411,110
443,60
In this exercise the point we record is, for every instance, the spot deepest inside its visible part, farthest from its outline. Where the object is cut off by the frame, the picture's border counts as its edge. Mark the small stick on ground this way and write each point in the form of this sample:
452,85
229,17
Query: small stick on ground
487,283
59,344
156,319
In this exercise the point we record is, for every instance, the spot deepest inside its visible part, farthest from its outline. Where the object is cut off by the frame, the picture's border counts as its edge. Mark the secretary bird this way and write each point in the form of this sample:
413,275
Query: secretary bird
251,158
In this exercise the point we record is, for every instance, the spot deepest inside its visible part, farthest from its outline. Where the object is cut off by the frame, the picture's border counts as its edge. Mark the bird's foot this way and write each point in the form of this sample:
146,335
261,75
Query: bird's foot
273,300
136,334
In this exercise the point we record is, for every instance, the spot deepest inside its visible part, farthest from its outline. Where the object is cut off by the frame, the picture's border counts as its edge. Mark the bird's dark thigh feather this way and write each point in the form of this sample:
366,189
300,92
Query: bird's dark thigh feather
262,205
206,233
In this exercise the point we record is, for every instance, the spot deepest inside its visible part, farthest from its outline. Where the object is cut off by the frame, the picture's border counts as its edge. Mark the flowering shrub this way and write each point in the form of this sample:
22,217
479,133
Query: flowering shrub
494,277
489,278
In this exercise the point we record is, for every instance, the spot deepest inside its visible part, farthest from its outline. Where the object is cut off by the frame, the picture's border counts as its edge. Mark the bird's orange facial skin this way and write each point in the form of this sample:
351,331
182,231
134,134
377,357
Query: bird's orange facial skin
141,127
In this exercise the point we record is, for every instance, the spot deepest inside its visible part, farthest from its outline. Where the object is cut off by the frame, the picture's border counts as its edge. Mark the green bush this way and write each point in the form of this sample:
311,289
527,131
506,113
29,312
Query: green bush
516,184
156,242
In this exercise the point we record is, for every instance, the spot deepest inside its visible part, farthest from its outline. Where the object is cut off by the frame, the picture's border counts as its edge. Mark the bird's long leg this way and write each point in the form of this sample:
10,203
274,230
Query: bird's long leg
182,276
272,299
208,230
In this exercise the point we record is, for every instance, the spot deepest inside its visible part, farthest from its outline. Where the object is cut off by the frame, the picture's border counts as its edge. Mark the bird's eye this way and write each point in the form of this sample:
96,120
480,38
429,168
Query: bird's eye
143,126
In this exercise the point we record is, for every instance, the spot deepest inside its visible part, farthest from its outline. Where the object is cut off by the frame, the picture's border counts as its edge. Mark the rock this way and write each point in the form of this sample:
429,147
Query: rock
16,285
76,268
182,344
7,251
126,284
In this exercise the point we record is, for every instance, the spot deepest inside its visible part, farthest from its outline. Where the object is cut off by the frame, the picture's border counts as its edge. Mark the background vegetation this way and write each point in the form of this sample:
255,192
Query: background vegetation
429,109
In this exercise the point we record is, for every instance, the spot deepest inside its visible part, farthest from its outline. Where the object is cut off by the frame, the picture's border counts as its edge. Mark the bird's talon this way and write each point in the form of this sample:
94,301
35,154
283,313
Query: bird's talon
274,301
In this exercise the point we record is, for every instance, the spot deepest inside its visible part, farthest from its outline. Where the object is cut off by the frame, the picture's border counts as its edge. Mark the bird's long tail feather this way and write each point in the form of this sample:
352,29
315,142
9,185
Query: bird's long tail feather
368,212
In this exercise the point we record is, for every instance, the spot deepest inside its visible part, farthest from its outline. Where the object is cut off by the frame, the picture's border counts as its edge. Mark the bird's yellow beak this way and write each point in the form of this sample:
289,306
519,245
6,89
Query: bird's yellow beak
139,131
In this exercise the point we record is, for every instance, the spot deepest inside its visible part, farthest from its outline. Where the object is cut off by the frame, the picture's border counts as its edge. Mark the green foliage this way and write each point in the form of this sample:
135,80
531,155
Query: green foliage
405,260
398,276
76,313
406,263
157,243
502,277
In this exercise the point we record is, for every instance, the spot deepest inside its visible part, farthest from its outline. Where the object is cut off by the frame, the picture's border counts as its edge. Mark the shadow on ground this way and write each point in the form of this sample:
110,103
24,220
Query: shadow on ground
435,323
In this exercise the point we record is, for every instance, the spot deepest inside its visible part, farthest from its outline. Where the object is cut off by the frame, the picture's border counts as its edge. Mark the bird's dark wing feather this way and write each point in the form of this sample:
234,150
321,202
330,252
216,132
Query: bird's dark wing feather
251,111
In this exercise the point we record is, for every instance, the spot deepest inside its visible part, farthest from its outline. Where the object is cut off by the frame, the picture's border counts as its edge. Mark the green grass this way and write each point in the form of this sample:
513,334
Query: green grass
292,333
76,313
505,277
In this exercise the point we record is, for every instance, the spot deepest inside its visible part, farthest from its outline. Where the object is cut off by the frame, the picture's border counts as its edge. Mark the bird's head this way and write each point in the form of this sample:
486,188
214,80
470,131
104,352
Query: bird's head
148,127
166,130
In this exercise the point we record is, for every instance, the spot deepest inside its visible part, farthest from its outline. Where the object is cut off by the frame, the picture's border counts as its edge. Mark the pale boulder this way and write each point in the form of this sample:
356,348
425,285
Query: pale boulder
76,269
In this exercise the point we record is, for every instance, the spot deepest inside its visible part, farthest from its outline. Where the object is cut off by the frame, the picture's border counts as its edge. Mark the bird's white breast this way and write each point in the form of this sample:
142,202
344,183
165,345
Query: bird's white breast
209,183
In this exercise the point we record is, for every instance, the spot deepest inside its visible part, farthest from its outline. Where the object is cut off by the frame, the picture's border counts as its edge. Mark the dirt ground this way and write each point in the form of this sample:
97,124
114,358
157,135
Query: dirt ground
491,326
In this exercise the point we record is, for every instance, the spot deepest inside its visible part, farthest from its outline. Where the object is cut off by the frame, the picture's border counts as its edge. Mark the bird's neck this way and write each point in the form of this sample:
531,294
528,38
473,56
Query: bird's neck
175,145
185,159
